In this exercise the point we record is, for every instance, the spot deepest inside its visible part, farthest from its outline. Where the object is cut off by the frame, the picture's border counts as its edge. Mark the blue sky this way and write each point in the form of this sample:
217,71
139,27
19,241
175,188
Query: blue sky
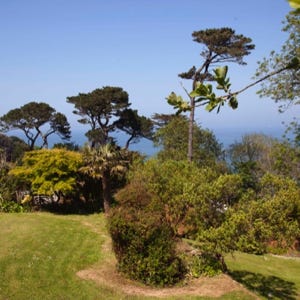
54,49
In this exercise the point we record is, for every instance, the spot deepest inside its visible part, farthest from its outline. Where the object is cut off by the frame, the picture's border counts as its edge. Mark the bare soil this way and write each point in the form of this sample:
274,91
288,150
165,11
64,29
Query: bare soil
106,274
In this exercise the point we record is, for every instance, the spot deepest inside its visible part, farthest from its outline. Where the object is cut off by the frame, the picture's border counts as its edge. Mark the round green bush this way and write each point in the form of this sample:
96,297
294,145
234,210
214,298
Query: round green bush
143,241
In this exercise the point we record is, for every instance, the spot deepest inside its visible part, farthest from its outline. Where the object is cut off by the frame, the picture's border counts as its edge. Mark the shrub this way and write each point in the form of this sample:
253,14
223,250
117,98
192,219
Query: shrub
10,206
203,264
165,200
269,221
143,241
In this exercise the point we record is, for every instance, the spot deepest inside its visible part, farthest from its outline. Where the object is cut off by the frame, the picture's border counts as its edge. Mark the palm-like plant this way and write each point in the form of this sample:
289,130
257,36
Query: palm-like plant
103,162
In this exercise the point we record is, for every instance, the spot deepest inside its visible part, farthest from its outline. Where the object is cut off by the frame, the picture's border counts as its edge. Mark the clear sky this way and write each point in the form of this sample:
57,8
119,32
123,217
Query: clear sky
54,49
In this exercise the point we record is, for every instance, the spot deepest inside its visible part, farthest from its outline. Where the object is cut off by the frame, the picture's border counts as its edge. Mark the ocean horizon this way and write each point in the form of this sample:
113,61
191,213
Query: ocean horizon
225,136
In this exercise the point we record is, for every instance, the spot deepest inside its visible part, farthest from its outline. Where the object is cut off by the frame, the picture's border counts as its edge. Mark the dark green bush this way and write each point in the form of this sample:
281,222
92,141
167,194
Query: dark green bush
143,241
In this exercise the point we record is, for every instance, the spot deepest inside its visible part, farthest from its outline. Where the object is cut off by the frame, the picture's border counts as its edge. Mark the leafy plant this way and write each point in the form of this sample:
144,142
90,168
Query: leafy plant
50,171
143,241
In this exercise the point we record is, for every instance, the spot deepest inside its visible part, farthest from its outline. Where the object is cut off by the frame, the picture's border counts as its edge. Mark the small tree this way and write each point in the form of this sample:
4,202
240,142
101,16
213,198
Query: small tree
31,118
258,154
174,142
221,45
102,163
50,172
107,110
12,148
283,87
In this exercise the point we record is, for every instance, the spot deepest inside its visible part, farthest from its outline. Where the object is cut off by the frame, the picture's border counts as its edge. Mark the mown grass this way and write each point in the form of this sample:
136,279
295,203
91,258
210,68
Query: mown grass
40,254
270,277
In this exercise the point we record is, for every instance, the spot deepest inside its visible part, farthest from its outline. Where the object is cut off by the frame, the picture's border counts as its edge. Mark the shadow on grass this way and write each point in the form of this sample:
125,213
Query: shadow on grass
271,287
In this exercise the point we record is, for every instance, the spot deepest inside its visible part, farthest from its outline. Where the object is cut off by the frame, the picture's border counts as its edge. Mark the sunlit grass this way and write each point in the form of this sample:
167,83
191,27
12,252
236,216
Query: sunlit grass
41,253
270,277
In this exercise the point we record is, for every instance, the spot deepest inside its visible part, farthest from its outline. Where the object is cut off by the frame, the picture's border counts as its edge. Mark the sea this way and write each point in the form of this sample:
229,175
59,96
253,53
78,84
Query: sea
225,136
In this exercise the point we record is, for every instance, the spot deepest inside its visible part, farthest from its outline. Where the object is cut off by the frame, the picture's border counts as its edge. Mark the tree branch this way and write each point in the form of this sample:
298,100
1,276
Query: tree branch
185,89
258,81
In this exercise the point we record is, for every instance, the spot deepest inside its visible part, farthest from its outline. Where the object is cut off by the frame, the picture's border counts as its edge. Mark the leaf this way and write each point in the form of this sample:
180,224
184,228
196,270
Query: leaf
172,99
201,90
211,106
220,77
233,102
294,63
294,3
221,72
178,103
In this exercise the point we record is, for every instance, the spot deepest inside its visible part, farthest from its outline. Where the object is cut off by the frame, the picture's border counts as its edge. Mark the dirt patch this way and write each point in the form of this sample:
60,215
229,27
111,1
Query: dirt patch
106,274
212,287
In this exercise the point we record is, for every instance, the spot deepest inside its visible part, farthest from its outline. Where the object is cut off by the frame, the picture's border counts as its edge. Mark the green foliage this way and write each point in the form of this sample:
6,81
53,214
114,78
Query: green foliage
294,3
103,163
258,154
216,209
217,212
143,241
178,103
135,126
272,217
106,110
207,151
249,172
100,160
203,93
50,171
203,265
11,206
192,200
8,187
221,45
252,157
220,77
11,148
283,87
31,118
286,159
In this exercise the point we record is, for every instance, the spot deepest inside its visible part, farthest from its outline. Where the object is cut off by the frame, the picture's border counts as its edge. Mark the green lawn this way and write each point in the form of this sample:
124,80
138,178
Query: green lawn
269,276
40,254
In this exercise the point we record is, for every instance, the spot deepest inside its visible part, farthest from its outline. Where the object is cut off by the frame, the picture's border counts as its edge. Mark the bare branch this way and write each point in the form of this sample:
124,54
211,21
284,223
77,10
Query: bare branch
260,80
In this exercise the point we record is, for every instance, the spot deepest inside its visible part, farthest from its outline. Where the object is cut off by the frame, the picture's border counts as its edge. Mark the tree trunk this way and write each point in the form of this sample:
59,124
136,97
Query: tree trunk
128,142
191,128
106,189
